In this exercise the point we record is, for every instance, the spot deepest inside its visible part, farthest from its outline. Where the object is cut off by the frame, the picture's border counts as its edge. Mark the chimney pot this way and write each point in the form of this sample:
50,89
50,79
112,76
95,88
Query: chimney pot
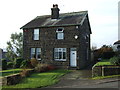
55,11
55,6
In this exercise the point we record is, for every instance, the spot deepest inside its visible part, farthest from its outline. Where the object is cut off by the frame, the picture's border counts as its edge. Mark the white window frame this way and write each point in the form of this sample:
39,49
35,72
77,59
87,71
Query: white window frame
58,51
32,52
36,53
36,34
60,34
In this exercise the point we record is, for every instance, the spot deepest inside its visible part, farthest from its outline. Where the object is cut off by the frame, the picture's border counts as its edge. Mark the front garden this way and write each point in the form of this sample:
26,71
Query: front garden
107,67
10,72
38,80
30,74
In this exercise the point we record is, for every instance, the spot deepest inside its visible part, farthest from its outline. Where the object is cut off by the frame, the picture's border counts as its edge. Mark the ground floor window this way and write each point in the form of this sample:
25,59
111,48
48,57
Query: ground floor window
36,53
60,54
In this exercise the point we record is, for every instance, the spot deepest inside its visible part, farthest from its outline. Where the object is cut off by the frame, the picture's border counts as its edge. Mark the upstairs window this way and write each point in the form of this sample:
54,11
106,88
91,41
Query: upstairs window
36,34
36,53
60,34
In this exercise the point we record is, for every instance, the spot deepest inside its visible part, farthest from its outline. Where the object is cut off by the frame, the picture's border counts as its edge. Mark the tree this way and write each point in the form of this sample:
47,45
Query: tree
15,46
94,48
105,52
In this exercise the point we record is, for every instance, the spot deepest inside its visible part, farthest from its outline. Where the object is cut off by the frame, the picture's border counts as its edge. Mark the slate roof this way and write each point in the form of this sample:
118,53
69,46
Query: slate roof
74,18
118,42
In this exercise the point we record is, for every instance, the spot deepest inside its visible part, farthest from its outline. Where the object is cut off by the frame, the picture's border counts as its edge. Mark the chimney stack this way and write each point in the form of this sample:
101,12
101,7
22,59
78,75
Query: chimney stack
55,12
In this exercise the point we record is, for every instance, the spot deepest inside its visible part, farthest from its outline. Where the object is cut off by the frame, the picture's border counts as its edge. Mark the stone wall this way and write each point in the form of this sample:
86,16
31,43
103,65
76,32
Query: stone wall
14,78
105,70
11,79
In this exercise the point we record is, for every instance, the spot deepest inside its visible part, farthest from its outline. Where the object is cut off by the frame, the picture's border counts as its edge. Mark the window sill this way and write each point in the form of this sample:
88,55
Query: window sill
59,39
60,60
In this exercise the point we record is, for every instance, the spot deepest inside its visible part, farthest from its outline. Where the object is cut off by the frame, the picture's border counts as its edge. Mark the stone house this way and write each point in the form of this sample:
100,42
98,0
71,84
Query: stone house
3,54
117,46
59,39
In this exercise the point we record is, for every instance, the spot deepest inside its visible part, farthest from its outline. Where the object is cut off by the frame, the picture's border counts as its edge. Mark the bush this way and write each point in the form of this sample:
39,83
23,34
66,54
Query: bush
44,67
41,67
18,62
51,67
115,60
107,55
25,73
4,64
34,62
26,64
10,64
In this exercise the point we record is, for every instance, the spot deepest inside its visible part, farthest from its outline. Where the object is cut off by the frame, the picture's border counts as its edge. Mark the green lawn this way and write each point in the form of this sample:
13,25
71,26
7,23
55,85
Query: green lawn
9,72
40,79
103,62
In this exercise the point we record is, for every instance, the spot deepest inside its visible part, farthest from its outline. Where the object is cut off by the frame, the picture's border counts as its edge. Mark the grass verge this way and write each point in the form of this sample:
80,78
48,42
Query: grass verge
103,77
38,80
10,71
103,62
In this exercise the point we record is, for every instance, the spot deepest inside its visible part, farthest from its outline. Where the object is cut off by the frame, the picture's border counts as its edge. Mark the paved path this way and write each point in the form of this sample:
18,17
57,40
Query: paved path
81,79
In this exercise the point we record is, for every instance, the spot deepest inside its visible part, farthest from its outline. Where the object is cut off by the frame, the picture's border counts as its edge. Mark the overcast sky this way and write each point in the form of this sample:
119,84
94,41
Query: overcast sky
103,16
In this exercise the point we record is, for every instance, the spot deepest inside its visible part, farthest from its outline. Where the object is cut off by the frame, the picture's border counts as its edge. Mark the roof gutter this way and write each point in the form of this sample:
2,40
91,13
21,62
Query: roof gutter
52,26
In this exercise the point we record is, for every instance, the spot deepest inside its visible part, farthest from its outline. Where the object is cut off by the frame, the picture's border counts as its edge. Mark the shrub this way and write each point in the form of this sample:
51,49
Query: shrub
26,64
4,64
41,67
10,64
44,67
115,60
108,55
18,62
25,73
51,67
34,62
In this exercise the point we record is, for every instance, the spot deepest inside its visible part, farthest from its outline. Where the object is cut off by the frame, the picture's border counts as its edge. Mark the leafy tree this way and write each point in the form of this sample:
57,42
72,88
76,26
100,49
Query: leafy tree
94,48
15,46
105,52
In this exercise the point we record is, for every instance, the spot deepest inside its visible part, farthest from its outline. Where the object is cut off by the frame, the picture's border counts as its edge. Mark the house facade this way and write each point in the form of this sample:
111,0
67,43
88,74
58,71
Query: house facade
59,39
117,46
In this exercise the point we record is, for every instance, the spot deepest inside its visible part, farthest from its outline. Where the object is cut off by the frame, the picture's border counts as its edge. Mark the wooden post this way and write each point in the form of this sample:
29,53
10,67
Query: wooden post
102,70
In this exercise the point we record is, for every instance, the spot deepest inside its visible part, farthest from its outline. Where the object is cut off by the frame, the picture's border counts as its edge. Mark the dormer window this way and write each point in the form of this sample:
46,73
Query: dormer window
60,34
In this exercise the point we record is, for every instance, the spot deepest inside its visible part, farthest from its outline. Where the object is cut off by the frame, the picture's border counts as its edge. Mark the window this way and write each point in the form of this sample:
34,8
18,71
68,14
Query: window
36,53
36,34
60,34
32,52
60,54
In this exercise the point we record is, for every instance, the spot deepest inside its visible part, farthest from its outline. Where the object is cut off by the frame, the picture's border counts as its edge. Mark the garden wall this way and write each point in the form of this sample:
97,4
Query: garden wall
14,78
11,79
105,70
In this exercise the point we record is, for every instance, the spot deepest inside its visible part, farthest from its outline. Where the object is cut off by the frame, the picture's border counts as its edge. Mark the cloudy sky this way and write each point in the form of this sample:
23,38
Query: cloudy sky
103,15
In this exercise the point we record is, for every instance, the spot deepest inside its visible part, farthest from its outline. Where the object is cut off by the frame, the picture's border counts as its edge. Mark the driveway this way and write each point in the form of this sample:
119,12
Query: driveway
82,79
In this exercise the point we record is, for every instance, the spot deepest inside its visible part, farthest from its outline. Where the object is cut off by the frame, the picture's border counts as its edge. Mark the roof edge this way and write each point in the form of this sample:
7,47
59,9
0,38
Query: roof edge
54,26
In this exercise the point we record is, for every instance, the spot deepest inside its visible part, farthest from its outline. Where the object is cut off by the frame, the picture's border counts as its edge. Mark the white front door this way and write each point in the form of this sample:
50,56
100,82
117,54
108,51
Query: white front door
73,59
